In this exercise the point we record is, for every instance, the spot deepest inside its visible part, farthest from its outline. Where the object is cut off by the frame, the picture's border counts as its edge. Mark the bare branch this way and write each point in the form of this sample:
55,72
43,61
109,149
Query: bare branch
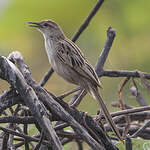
130,111
46,77
7,99
140,117
123,73
68,93
141,129
139,97
128,143
87,20
17,119
9,72
104,53
29,138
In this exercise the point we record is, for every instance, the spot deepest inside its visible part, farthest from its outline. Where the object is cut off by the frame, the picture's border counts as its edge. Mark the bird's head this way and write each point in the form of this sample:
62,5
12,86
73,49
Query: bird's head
47,27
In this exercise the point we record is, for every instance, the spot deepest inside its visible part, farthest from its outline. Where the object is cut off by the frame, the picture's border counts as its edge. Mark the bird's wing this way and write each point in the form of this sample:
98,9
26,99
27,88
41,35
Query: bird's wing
69,53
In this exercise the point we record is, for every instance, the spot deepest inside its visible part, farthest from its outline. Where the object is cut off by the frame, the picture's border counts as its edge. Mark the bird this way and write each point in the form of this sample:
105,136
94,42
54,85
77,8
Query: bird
69,62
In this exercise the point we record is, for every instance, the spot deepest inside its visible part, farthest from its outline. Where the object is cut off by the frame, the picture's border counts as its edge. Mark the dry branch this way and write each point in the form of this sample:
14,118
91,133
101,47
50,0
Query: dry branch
10,73
52,104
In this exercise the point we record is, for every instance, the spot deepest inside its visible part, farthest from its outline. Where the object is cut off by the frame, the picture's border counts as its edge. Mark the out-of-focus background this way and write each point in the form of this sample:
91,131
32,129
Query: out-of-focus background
130,51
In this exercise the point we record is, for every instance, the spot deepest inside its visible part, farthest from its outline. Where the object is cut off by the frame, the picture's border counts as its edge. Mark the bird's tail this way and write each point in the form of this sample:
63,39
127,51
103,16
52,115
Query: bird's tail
97,96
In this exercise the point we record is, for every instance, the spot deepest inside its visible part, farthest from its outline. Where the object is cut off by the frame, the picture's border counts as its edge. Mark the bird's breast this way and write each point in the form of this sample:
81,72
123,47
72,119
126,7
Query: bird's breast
49,48
50,51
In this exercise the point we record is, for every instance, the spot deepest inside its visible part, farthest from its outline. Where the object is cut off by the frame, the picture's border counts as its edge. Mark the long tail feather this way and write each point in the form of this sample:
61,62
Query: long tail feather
97,96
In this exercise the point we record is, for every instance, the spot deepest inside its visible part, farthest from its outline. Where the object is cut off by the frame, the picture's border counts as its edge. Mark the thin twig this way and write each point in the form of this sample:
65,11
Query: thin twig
25,128
128,143
123,73
5,141
79,144
130,111
116,104
18,119
76,100
87,20
140,117
104,53
29,138
133,128
40,142
144,81
61,126
68,93
135,92
46,77
140,130
127,118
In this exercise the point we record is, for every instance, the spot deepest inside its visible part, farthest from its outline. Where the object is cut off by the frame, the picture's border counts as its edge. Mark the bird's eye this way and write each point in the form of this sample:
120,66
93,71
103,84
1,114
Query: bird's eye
45,24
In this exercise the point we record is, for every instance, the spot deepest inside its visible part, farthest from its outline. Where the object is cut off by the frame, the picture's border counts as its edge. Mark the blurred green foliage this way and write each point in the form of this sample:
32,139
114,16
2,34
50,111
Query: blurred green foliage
130,51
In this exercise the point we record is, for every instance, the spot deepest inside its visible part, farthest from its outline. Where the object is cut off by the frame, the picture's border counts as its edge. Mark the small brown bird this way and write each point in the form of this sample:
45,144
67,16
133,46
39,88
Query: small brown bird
68,61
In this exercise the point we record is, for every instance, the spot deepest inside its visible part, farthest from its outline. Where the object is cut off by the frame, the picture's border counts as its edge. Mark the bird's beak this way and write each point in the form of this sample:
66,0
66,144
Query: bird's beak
35,24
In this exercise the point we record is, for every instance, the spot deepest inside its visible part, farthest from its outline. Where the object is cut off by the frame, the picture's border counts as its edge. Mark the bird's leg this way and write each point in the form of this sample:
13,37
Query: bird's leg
68,93
79,98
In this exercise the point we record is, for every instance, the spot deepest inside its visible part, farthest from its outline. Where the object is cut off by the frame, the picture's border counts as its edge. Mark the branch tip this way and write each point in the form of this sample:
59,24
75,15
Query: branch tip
111,33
